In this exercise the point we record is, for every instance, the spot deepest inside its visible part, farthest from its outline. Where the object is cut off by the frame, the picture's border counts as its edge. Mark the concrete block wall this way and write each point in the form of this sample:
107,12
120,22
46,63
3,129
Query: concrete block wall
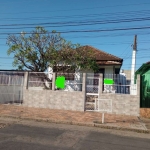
124,103
65,100
54,99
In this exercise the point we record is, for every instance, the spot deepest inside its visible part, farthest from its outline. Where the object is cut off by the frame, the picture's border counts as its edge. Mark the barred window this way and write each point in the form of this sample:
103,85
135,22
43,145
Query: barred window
65,71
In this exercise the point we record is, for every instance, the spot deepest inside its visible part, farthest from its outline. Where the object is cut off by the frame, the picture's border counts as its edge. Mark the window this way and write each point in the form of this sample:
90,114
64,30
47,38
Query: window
65,71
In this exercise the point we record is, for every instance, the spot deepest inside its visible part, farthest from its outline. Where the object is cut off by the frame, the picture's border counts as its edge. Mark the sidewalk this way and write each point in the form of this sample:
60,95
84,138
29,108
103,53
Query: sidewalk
122,122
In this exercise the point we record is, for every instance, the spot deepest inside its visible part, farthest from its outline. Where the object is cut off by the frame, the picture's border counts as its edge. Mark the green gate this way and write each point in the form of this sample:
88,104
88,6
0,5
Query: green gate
145,91
144,72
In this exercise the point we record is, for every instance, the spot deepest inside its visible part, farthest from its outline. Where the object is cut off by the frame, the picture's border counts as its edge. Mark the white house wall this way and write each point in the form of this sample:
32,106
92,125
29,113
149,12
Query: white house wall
109,70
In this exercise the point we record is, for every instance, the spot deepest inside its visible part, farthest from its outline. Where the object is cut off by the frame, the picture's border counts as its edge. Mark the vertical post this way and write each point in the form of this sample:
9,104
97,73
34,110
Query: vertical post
95,104
25,85
13,92
138,92
103,115
100,87
21,93
53,81
98,106
133,59
9,80
84,89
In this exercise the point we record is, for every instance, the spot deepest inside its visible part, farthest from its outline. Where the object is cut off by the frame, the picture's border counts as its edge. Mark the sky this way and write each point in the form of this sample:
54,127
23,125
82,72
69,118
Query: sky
106,25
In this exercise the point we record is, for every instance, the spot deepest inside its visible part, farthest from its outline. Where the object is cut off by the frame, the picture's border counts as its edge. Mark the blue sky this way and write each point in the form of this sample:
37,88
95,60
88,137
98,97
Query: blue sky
99,14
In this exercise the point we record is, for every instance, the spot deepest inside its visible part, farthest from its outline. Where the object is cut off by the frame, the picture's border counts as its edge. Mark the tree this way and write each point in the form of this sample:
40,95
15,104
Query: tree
38,50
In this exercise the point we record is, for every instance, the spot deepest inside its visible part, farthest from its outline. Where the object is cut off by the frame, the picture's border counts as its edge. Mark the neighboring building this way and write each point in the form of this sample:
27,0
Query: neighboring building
108,64
128,74
144,72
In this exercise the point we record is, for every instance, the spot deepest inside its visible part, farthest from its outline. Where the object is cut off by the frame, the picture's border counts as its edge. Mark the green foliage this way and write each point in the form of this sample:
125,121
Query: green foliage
38,50
34,51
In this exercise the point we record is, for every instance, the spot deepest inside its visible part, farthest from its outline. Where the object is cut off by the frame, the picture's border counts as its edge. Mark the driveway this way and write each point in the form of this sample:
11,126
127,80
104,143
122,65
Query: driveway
31,135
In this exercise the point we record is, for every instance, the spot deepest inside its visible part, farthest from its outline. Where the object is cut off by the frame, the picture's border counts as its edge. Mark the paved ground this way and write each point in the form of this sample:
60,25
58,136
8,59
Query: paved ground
146,121
72,117
30,135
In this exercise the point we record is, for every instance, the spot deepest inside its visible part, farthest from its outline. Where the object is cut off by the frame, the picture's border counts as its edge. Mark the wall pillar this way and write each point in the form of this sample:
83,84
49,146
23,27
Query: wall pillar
53,81
100,87
26,78
84,89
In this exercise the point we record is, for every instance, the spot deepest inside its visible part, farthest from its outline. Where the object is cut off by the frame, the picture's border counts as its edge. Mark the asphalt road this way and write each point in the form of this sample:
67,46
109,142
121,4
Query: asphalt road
31,135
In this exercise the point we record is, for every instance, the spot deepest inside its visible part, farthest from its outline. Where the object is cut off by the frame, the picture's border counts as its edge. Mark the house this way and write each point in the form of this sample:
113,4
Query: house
144,72
108,64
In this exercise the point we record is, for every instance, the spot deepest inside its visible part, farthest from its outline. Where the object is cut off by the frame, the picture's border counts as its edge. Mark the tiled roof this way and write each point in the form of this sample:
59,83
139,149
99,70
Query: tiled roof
101,55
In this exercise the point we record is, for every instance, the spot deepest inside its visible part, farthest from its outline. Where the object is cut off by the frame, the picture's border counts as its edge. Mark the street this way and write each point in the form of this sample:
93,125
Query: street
32,135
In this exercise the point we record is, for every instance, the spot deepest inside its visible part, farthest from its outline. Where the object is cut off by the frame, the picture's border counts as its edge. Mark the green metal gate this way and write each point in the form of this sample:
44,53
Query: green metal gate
144,72
145,91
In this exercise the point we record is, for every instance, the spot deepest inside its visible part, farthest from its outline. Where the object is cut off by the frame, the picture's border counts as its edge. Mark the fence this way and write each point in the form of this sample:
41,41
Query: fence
11,91
44,80
11,84
121,85
40,80
73,81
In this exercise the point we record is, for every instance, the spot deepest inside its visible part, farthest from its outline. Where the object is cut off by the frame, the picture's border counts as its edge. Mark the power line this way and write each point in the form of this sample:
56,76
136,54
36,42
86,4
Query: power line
119,14
77,23
125,51
90,31
82,8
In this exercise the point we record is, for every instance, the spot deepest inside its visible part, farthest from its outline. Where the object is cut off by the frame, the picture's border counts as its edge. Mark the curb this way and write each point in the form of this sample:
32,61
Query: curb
122,128
79,124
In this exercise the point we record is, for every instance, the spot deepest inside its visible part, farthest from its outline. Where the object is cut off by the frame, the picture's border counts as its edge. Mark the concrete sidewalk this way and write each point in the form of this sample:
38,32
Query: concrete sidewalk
122,122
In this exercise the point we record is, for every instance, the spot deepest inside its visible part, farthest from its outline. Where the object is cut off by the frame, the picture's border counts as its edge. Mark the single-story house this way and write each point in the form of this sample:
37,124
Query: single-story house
108,64
144,72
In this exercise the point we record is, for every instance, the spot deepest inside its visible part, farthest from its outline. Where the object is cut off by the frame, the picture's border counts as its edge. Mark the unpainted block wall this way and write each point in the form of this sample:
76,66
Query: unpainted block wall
123,103
54,99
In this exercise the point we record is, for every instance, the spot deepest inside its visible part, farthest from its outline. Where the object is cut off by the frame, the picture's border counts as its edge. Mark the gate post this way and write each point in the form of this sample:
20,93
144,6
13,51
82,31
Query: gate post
25,84
53,81
84,89
100,86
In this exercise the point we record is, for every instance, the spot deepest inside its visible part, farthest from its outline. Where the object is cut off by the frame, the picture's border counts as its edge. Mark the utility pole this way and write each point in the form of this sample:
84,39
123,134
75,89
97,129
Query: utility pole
133,59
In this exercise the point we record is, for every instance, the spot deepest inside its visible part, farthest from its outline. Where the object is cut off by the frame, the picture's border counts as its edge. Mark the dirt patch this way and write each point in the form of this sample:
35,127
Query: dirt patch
145,112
